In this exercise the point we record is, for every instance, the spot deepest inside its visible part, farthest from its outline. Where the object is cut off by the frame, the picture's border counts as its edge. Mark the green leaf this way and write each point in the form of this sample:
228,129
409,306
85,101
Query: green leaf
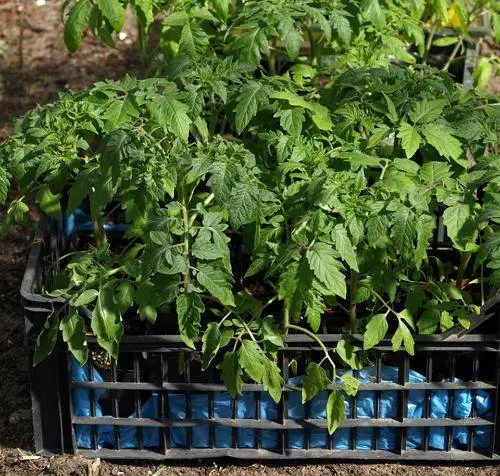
315,381
113,11
342,27
73,333
272,381
441,139
435,172
78,18
106,321
145,7
46,339
78,191
373,12
231,373
325,267
212,338
255,267
250,46
189,310
315,308
344,246
482,73
252,359
403,229
222,7
351,384
425,226
410,139
446,41
224,177
348,353
429,321
271,332
335,410
291,120
376,329
294,284
174,113
455,219
203,249
244,204
380,133
216,281
319,113
403,335
426,111
290,36
4,184
252,96
86,297
119,112
49,203
391,109
446,321
125,292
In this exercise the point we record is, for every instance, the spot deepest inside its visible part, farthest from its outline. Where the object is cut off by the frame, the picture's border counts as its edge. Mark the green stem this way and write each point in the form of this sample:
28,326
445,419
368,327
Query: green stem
286,319
99,233
352,308
312,47
453,54
186,223
389,308
249,332
315,338
272,58
395,147
464,262
141,40
429,42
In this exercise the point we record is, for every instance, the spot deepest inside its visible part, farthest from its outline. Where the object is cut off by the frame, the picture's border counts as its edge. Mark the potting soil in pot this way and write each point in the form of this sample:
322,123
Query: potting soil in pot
461,407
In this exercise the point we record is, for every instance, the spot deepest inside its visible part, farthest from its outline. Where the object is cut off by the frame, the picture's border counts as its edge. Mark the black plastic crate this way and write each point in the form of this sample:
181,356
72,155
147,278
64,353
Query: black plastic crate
157,397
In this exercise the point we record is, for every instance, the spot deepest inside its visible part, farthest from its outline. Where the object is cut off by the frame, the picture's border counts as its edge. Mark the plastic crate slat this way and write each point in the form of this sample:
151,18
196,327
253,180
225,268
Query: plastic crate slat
288,424
209,387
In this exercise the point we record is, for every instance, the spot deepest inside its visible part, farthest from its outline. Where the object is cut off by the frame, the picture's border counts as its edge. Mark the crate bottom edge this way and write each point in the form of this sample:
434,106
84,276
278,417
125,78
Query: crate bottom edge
365,455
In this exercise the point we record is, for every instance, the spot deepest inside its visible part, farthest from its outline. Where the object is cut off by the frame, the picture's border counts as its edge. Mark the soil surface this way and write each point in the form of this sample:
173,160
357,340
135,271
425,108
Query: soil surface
34,67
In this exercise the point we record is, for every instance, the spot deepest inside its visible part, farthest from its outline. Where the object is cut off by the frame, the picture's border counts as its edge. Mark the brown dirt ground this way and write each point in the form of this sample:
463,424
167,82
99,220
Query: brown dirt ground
33,71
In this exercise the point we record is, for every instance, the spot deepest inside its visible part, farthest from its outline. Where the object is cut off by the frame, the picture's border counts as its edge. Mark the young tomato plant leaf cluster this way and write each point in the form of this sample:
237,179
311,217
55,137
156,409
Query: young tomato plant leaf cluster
267,191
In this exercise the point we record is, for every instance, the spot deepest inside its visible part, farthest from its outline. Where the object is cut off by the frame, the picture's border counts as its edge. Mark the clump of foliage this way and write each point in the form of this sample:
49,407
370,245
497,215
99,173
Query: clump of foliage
327,197
274,34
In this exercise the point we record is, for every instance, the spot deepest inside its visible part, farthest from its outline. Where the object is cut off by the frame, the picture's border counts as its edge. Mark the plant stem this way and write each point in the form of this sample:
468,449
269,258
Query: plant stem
249,332
272,58
99,233
286,319
352,308
389,308
429,42
453,54
464,262
186,223
312,48
141,40
315,338
395,147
